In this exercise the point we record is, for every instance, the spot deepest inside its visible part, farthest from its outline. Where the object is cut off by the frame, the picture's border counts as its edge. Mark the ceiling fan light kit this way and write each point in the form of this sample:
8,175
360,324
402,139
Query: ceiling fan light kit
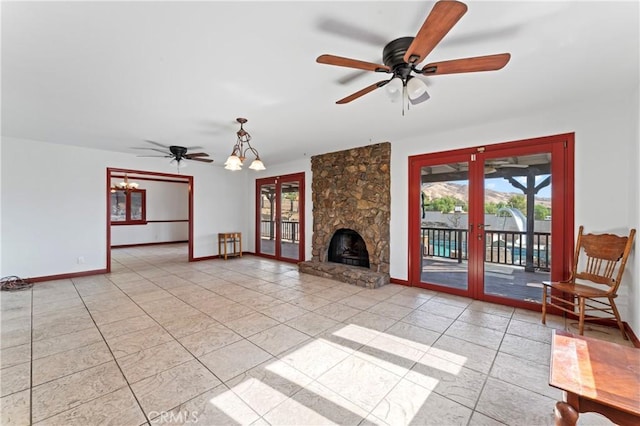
401,57
179,164
239,152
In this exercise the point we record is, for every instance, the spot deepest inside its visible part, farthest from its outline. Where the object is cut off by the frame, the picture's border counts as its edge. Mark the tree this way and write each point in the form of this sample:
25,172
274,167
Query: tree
518,202
492,208
541,211
444,204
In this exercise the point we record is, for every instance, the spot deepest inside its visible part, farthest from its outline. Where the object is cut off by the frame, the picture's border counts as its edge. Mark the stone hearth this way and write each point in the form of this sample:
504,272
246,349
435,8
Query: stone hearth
352,190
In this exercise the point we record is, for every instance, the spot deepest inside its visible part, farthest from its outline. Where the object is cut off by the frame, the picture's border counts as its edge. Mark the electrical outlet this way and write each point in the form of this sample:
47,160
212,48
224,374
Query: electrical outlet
80,260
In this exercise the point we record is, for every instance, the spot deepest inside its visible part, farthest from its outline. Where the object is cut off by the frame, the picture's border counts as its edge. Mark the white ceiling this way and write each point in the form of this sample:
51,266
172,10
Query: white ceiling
109,75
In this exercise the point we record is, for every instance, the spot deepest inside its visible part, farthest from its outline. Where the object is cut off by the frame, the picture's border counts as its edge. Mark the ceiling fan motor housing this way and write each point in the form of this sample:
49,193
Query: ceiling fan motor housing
393,56
178,151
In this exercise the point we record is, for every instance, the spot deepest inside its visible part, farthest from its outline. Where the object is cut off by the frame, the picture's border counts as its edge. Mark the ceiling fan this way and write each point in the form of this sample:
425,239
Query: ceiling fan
177,153
402,56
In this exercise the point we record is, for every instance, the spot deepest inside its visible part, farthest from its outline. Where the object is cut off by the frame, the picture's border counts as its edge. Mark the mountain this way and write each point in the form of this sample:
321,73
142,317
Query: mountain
461,192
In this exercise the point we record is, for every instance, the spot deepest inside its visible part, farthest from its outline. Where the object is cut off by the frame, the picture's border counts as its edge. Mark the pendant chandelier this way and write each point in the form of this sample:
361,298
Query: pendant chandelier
125,185
240,149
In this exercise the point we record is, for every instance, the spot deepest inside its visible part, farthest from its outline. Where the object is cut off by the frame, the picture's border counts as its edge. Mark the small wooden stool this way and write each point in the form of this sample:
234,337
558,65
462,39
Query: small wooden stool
225,238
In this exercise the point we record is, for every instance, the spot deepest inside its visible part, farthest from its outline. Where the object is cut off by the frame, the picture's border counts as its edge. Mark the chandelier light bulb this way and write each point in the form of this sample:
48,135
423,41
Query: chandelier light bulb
233,167
233,160
257,165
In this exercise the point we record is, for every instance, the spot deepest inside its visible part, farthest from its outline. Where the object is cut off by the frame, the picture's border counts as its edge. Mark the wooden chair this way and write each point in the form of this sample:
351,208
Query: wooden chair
598,265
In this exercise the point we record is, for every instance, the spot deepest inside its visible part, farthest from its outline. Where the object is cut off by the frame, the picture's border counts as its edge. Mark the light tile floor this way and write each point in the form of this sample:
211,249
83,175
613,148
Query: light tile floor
252,341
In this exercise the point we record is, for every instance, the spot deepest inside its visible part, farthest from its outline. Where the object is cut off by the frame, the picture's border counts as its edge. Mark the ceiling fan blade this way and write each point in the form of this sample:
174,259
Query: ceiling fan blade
362,92
197,154
349,30
351,77
204,160
444,15
157,143
163,156
351,63
478,63
153,149
513,166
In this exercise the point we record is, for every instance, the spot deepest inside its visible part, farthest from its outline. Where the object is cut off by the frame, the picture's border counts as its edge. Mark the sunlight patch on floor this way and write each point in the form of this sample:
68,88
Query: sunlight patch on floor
395,354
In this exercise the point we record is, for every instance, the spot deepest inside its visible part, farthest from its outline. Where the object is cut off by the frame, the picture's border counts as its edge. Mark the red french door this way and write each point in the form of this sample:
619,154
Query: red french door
280,217
492,222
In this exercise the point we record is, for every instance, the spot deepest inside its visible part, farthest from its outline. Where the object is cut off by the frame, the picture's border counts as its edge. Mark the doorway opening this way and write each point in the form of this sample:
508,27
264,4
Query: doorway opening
150,229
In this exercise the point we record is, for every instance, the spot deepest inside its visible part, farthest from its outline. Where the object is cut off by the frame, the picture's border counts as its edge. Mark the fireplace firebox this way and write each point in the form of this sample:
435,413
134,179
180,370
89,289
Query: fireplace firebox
348,247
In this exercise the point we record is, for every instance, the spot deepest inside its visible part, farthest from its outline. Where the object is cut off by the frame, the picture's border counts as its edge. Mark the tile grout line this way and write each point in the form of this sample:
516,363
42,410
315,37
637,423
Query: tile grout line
180,343
174,338
112,355
486,379
193,355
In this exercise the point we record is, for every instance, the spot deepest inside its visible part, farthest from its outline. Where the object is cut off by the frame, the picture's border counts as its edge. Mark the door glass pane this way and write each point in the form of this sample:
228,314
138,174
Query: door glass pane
517,226
290,220
444,225
267,219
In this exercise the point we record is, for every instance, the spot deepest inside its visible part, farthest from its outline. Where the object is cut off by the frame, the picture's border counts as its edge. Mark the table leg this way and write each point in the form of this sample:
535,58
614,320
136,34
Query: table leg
565,414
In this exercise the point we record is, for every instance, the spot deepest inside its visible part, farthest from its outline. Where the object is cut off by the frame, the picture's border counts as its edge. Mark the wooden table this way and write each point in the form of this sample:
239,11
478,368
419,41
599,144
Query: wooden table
225,238
596,376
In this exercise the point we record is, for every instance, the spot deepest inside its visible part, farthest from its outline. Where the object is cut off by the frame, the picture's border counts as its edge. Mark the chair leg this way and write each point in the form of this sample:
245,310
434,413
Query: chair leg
581,322
618,319
544,304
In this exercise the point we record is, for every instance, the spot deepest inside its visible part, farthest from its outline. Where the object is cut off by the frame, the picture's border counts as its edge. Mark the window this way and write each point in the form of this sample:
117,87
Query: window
128,207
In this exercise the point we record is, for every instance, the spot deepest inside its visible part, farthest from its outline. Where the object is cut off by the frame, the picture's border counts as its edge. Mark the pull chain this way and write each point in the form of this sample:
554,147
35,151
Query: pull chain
404,96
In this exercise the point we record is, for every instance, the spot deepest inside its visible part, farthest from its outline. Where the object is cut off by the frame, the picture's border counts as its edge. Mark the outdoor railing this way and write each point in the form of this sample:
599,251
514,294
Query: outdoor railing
290,231
502,247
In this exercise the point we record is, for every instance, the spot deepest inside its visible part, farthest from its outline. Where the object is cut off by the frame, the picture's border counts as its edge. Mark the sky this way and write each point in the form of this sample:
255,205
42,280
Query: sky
503,185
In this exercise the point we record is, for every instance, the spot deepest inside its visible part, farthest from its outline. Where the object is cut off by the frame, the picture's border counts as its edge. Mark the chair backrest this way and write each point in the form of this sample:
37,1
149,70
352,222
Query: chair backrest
601,258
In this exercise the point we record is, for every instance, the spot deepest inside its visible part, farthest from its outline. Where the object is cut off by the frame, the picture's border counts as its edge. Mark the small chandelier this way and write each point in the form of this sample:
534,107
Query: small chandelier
125,185
238,154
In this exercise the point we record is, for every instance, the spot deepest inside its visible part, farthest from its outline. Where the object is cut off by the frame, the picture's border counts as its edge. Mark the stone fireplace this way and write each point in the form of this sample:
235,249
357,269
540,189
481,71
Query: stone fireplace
351,199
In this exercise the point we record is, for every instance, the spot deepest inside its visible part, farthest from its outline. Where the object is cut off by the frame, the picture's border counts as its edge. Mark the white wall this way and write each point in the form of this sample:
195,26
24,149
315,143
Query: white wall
54,206
164,201
633,266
